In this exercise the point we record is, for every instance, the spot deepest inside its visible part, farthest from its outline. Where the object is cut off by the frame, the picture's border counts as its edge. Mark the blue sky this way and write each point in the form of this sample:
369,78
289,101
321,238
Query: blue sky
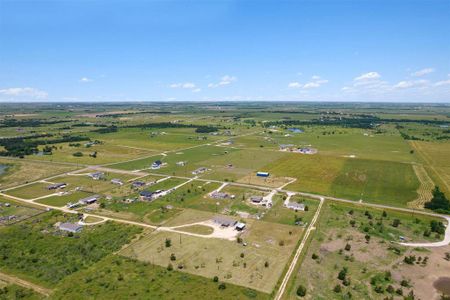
365,50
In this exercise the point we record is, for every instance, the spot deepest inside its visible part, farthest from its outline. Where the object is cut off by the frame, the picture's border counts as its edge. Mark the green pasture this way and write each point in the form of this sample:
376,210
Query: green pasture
64,199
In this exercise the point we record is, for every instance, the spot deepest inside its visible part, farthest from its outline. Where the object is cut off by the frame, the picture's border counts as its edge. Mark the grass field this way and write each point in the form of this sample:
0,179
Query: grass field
106,153
31,191
215,257
117,277
64,199
364,260
374,181
23,171
40,253
20,212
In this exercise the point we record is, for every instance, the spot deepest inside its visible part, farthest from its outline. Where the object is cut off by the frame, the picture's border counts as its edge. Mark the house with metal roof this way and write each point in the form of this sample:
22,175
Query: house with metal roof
70,227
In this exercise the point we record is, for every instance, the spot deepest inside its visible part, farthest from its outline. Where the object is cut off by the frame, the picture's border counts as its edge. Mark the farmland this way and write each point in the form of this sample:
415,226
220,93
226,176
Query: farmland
173,186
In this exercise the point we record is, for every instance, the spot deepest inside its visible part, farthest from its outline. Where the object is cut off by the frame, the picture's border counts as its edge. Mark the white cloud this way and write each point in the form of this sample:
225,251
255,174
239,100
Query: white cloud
196,90
368,76
85,79
295,85
315,83
24,92
442,83
411,84
422,72
225,80
183,85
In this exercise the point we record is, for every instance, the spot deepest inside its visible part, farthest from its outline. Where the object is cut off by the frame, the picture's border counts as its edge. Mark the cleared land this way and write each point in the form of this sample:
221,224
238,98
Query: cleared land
211,257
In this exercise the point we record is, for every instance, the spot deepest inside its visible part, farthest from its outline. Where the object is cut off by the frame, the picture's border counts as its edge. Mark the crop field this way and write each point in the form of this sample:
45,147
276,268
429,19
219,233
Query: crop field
367,260
436,158
193,254
373,181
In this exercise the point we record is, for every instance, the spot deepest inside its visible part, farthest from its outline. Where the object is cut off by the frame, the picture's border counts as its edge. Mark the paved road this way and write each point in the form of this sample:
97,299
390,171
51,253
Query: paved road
442,243
291,269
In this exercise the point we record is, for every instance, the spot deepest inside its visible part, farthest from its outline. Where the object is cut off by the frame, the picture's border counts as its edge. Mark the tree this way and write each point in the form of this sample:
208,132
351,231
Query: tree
314,256
439,201
169,267
396,222
384,214
222,286
301,291
348,247
343,273
367,237
216,279
266,264
173,257
337,288
168,243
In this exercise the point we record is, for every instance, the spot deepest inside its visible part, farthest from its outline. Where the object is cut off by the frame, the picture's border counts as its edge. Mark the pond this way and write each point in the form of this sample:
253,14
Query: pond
3,169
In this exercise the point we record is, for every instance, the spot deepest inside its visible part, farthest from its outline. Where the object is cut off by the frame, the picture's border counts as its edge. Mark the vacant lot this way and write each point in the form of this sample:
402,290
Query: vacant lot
39,252
64,199
230,261
372,263
31,191
117,277
23,171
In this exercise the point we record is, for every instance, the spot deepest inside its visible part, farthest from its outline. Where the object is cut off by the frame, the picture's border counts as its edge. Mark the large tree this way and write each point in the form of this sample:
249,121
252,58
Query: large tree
439,201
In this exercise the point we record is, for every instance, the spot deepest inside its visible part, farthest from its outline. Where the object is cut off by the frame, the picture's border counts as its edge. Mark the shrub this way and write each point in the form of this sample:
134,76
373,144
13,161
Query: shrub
301,291
216,279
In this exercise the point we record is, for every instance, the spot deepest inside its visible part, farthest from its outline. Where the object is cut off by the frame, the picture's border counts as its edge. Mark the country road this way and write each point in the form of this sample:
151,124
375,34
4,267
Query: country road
291,268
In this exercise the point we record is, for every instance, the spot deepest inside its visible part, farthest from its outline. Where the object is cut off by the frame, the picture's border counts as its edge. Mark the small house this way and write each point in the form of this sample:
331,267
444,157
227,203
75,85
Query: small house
70,227
240,226
97,175
89,200
256,199
138,184
156,164
146,195
219,195
224,221
56,186
117,181
200,170
296,206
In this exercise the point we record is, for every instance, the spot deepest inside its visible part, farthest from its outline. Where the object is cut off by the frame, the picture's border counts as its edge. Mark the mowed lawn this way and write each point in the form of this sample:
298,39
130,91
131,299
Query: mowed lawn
63,200
31,191
211,257
351,178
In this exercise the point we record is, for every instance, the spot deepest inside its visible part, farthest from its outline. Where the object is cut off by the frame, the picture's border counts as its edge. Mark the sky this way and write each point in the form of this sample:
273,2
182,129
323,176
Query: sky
316,50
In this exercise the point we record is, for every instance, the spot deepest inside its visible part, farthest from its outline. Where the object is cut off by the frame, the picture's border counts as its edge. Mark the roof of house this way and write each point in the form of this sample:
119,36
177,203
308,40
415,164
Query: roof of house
224,220
146,193
240,225
56,185
72,227
256,198
140,183
90,198
296,205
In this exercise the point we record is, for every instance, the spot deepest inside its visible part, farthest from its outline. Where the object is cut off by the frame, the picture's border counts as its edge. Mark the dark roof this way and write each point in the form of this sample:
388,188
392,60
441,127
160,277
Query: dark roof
146,193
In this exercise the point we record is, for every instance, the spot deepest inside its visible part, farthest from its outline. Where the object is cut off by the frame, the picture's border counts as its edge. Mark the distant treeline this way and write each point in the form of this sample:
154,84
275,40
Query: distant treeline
21,146
366,122
29,122
120,115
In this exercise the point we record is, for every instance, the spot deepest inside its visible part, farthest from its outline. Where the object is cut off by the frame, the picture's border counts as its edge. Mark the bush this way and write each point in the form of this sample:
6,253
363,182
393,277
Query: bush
314,256
216,279
347,247
337,288
78,154
301,291
169,267
168,243
222,286
173,257
396,222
